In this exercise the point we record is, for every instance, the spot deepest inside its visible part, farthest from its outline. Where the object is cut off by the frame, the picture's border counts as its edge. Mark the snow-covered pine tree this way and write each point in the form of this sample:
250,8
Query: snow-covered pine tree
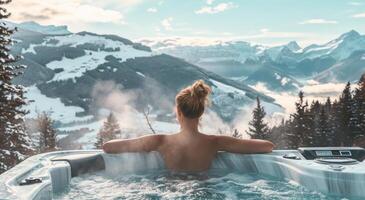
346,116
329,109
47,134
309,126
323,131
109,131
335,124
313,124
297,134
258,128
14,142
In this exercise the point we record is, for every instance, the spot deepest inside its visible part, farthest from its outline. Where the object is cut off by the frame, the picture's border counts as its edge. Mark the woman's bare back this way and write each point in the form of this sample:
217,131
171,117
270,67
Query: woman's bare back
191,153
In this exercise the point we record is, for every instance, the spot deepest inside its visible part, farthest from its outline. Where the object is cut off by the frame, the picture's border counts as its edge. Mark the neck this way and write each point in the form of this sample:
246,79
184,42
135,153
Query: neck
189,126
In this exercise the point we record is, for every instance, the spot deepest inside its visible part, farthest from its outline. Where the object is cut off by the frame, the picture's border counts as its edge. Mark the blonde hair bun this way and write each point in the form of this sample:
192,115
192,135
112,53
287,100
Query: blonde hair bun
192,100
200,90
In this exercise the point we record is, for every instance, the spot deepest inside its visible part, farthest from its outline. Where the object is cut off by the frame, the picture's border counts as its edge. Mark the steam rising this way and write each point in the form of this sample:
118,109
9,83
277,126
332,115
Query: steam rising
111,97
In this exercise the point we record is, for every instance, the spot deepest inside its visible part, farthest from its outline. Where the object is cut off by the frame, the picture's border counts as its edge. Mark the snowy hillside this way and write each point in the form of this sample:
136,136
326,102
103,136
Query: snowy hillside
75,67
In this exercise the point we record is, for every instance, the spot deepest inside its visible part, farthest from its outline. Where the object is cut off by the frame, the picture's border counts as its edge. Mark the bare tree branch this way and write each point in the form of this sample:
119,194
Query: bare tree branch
146,113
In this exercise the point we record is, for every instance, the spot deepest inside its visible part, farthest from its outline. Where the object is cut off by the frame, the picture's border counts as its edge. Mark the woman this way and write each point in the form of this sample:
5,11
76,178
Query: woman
189,150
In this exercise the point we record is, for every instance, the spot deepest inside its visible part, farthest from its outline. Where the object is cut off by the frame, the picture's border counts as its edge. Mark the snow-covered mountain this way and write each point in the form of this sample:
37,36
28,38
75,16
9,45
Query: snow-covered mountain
240,60
65,69
220,51
48,30
348,69
339,48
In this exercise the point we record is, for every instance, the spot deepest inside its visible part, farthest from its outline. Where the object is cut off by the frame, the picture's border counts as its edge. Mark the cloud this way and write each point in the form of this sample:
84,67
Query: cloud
318,21
166,23
359,15
266,33
123,5
216,9
75,13
209,2
152,10
354,3
264,30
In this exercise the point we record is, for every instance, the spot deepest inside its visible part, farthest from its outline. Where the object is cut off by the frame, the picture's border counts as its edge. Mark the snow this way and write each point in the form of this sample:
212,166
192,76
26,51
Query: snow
277,76
30,49
54,106
329,46
211,52
226,88
139,73
77,67
284,81
74,68
75,39
339,48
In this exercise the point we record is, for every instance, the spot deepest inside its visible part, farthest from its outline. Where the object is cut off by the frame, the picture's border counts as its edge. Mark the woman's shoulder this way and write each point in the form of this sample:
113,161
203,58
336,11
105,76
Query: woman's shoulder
210,137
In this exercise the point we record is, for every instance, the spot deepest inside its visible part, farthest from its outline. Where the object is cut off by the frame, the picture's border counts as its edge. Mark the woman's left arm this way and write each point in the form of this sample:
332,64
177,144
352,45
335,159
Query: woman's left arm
142,144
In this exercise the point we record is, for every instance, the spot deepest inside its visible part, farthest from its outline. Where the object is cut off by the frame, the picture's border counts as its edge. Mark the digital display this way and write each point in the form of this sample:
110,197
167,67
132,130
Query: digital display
324,153
345,153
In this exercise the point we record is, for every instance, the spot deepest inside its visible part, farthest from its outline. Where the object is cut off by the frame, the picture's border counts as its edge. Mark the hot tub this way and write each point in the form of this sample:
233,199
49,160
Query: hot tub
306,173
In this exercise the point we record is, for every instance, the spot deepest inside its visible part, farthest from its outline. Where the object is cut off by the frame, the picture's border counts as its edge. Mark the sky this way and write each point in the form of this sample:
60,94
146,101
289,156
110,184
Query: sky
268,22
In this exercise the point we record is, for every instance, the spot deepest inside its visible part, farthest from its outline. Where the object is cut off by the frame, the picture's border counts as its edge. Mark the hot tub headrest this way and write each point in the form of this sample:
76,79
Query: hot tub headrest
83,163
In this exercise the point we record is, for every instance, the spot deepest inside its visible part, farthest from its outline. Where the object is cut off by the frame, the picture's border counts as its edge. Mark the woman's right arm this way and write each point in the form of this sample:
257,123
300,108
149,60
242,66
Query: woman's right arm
142,144
234,145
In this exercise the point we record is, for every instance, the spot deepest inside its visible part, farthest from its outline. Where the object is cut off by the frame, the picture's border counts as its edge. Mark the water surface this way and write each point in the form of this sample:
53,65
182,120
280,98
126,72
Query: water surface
165,185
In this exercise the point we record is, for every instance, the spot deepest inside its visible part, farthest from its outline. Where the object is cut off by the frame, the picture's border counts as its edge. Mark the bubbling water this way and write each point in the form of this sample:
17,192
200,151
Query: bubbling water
165,185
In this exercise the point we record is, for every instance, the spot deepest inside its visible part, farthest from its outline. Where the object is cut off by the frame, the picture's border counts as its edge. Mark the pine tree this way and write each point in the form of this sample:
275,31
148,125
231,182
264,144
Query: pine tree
328,105
258,128
109,131
47,137
236,134
359,108
323,131
14,142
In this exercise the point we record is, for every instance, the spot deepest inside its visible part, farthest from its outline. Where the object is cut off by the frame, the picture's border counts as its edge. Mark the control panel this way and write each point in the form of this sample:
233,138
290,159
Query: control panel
311,153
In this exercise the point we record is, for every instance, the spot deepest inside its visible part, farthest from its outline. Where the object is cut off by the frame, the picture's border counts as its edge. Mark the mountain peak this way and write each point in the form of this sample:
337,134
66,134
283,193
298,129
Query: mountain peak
44,29
293,45
350,34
